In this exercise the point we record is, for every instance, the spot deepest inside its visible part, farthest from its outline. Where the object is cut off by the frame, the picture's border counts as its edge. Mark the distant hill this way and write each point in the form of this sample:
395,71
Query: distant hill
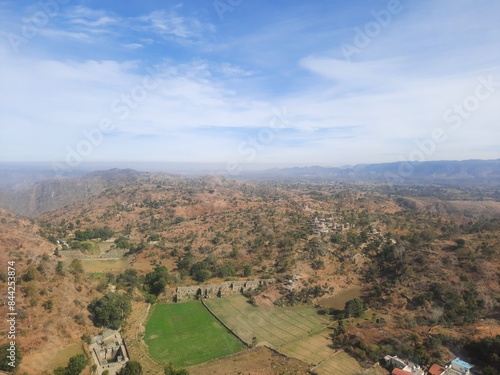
48,195
441,172
31,192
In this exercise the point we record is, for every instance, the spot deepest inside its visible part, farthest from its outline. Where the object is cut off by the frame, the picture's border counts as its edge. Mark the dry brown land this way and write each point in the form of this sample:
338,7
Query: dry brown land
257,361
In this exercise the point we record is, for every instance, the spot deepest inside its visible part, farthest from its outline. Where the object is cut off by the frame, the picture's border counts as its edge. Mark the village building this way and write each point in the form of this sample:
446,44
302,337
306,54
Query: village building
402,367
109,352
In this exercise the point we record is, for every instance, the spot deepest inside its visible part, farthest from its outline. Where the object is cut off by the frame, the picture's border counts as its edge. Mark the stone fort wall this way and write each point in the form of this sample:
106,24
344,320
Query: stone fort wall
187,293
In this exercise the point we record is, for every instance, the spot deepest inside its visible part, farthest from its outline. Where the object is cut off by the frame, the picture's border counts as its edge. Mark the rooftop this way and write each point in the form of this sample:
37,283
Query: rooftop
398,371
464,364
436,370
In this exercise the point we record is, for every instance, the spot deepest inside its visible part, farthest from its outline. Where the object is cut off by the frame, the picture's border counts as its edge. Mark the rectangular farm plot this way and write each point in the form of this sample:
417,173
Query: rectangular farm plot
340,363
313,349
274,326
187,334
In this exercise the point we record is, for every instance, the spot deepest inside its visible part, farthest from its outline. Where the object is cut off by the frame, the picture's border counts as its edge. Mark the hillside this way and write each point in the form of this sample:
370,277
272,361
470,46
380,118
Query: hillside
424,260
50,305
470,172
47,195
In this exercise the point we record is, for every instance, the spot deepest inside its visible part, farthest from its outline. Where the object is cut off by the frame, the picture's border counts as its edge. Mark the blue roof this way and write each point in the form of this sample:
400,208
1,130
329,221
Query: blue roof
459,362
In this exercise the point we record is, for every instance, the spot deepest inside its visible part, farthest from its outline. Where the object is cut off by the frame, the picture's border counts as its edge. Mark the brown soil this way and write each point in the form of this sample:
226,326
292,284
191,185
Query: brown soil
257,361
133,334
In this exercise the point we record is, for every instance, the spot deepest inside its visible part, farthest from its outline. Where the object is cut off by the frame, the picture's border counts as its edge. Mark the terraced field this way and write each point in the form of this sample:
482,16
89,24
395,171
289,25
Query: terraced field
297,332
275,326
340,363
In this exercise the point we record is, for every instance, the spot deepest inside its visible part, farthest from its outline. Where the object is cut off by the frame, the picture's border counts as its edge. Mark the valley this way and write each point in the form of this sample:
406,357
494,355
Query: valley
360,270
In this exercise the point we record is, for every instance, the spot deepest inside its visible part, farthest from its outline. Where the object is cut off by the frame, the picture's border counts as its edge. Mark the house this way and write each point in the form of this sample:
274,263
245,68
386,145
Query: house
458,367
395,361
404,367
436,370
398,371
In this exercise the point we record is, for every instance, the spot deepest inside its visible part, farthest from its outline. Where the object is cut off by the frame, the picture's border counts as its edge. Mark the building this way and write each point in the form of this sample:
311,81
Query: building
436,370
456,367
398,371
109,351
403,367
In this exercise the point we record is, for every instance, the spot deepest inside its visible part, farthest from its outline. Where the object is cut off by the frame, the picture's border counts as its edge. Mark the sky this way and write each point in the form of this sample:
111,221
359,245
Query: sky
249,83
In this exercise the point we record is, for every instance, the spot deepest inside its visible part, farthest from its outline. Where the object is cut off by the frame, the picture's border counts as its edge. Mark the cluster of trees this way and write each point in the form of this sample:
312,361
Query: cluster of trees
155,281
203,270
152,284
103,233
172,370
303,296
130,368
461,306
354,308
5,360
486,353
110,310
75,366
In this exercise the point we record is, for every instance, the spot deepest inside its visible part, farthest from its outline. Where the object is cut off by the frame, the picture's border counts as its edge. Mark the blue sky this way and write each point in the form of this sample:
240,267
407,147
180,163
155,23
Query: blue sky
249,83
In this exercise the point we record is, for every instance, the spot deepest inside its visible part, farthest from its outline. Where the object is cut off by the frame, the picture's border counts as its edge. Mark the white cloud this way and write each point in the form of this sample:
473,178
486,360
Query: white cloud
133,45
168,23
99,22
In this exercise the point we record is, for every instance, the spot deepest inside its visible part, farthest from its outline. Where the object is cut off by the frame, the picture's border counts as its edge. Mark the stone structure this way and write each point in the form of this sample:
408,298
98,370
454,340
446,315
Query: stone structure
186,293
109,352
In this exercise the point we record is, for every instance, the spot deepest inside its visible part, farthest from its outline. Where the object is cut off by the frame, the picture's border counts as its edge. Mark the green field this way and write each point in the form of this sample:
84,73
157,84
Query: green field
187,334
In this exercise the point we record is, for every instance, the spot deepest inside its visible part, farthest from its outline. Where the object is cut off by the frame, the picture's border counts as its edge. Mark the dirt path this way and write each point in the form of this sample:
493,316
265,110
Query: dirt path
134,333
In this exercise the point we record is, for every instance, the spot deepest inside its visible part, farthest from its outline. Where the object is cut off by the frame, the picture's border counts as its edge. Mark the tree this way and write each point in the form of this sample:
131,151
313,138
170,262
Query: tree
247,270
202,275
30,275
131,368
157,280
76,268
6,360
76,364
127,279
110,310
59,268
354,308
172,370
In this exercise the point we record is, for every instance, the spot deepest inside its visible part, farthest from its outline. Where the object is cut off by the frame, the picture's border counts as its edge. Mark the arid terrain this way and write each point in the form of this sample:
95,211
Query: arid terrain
425,266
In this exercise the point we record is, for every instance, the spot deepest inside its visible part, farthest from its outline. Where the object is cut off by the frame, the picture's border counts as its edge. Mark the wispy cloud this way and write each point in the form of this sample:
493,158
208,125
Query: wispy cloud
219,85
170,24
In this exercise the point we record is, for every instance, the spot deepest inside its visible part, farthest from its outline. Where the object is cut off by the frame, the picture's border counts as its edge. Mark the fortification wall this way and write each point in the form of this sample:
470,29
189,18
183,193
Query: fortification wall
187,293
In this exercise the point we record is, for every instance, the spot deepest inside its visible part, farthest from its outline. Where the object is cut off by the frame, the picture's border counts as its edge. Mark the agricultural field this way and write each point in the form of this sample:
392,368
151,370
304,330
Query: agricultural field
274,326
103,265
339,363
187,334
46,361
297,332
